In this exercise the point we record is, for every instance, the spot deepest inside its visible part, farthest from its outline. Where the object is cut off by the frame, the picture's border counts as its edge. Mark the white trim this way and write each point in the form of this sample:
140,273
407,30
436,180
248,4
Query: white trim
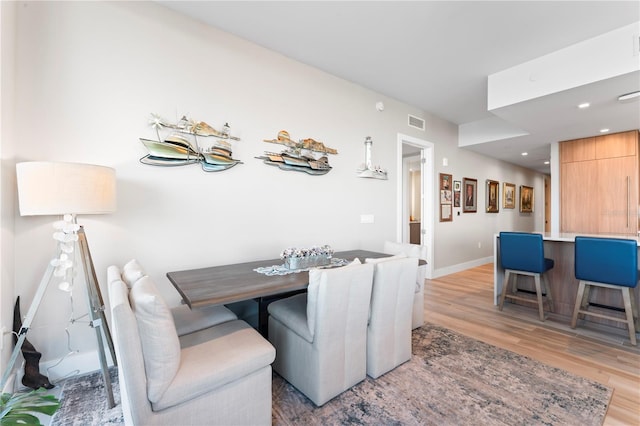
427,211
461,267
75,364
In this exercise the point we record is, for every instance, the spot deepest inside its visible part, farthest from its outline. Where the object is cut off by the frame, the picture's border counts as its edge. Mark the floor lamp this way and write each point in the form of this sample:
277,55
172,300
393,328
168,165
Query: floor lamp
69,189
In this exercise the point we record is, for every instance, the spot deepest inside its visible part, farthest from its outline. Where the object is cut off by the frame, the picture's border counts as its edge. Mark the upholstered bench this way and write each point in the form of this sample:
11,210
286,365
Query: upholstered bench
219,374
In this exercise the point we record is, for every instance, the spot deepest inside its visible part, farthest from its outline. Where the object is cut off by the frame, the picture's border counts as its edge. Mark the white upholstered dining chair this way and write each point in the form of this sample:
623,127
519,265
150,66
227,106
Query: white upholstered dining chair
321,336
420,252
389,329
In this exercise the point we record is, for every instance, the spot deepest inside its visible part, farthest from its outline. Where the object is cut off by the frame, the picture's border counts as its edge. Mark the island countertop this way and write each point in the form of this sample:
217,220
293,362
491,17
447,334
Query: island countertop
570,237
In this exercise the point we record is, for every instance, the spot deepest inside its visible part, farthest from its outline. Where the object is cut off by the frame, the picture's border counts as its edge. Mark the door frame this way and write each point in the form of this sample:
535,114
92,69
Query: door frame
427,223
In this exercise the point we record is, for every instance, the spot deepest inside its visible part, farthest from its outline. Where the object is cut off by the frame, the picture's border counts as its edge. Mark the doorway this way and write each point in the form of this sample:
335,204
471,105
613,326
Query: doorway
415,204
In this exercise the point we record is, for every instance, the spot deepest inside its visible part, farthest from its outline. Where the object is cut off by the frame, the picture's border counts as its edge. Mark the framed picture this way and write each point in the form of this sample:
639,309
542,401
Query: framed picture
470,202
526,199
493,196
456,193
445,213
509,196
445,182
446,186
445,196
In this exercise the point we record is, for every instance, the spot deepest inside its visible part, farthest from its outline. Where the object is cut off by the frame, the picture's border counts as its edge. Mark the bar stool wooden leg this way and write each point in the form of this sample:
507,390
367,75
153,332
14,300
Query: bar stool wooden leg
578,305
536,279
514,286
585,299
626,296
634,308
505,285
584,302
545,281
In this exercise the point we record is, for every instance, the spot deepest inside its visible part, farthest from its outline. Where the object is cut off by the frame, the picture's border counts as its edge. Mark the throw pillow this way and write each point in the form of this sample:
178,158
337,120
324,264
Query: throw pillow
160,344
113,274
132,272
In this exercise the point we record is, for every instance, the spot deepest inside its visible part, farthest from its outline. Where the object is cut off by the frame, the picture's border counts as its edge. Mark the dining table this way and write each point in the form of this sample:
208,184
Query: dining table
224,284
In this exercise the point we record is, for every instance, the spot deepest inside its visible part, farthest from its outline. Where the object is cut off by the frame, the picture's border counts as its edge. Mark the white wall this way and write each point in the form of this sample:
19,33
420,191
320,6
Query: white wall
89,74
468,240
7,173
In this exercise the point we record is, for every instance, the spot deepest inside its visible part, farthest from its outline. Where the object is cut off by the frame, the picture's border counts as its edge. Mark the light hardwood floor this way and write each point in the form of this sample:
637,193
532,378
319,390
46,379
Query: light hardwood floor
464,302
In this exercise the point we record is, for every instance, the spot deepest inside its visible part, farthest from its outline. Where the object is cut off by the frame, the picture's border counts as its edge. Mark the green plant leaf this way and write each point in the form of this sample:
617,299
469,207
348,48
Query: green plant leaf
16,409
19,419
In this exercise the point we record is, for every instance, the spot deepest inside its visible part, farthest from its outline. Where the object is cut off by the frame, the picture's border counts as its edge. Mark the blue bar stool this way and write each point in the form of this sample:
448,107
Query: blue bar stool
522,253
609,263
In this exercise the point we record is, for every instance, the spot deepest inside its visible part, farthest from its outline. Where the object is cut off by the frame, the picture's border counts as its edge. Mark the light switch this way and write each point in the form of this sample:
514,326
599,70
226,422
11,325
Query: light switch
366,218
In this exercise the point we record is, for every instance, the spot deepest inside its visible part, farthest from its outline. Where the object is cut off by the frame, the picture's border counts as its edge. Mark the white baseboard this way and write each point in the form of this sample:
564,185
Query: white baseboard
440,272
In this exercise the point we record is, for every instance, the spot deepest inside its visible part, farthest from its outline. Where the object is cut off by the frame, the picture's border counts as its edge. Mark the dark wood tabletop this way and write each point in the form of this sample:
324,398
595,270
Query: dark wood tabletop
232,283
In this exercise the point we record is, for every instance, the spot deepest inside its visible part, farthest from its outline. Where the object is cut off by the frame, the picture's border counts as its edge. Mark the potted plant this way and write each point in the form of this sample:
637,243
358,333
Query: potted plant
20,408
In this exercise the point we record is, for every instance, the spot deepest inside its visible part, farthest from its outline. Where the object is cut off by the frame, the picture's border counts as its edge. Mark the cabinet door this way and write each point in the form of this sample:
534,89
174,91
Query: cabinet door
414,233
579,197
618,195
616,145
578,150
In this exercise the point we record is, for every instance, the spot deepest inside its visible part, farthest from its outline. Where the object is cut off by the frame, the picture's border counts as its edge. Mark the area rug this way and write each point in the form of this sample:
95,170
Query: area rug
450,380
454,380
84,402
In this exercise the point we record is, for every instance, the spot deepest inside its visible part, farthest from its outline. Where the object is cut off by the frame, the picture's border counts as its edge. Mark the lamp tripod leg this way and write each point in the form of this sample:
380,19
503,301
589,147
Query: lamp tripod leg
22,334
97,325
96,313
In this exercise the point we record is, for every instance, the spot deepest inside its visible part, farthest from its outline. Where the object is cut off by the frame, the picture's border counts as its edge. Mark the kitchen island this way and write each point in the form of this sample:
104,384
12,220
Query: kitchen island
562,281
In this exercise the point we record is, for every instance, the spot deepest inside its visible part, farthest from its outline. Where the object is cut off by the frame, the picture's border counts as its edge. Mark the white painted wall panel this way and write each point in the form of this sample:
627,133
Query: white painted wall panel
88,74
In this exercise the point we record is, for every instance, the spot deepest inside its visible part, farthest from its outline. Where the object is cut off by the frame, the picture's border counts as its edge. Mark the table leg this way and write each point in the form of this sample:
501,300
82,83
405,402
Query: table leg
263,316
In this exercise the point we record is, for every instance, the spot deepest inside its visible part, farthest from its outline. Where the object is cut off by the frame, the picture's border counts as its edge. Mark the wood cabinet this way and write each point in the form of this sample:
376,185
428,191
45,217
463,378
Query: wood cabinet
578,150
414,233
577,197
616,145
599,184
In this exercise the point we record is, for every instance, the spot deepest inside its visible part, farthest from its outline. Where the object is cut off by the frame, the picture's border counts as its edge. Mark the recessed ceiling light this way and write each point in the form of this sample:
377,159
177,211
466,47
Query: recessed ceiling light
584,105
604,130
628,96
546,162
524,153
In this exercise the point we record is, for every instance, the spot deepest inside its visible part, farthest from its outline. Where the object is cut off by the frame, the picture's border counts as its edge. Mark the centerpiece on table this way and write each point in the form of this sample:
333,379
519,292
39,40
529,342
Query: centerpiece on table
302,258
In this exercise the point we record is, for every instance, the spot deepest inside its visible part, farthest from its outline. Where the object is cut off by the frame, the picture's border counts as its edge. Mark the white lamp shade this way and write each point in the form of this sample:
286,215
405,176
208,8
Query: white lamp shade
48,188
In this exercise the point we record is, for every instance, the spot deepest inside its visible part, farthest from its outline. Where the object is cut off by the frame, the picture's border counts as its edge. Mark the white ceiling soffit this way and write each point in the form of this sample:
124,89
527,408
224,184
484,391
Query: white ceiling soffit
487,130
599,58
541,96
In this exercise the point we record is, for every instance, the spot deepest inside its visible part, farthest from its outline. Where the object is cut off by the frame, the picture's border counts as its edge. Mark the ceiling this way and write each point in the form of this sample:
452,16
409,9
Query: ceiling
437,56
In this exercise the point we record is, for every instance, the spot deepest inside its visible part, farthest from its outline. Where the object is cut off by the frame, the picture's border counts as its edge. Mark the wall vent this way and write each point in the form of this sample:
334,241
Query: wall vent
416,122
